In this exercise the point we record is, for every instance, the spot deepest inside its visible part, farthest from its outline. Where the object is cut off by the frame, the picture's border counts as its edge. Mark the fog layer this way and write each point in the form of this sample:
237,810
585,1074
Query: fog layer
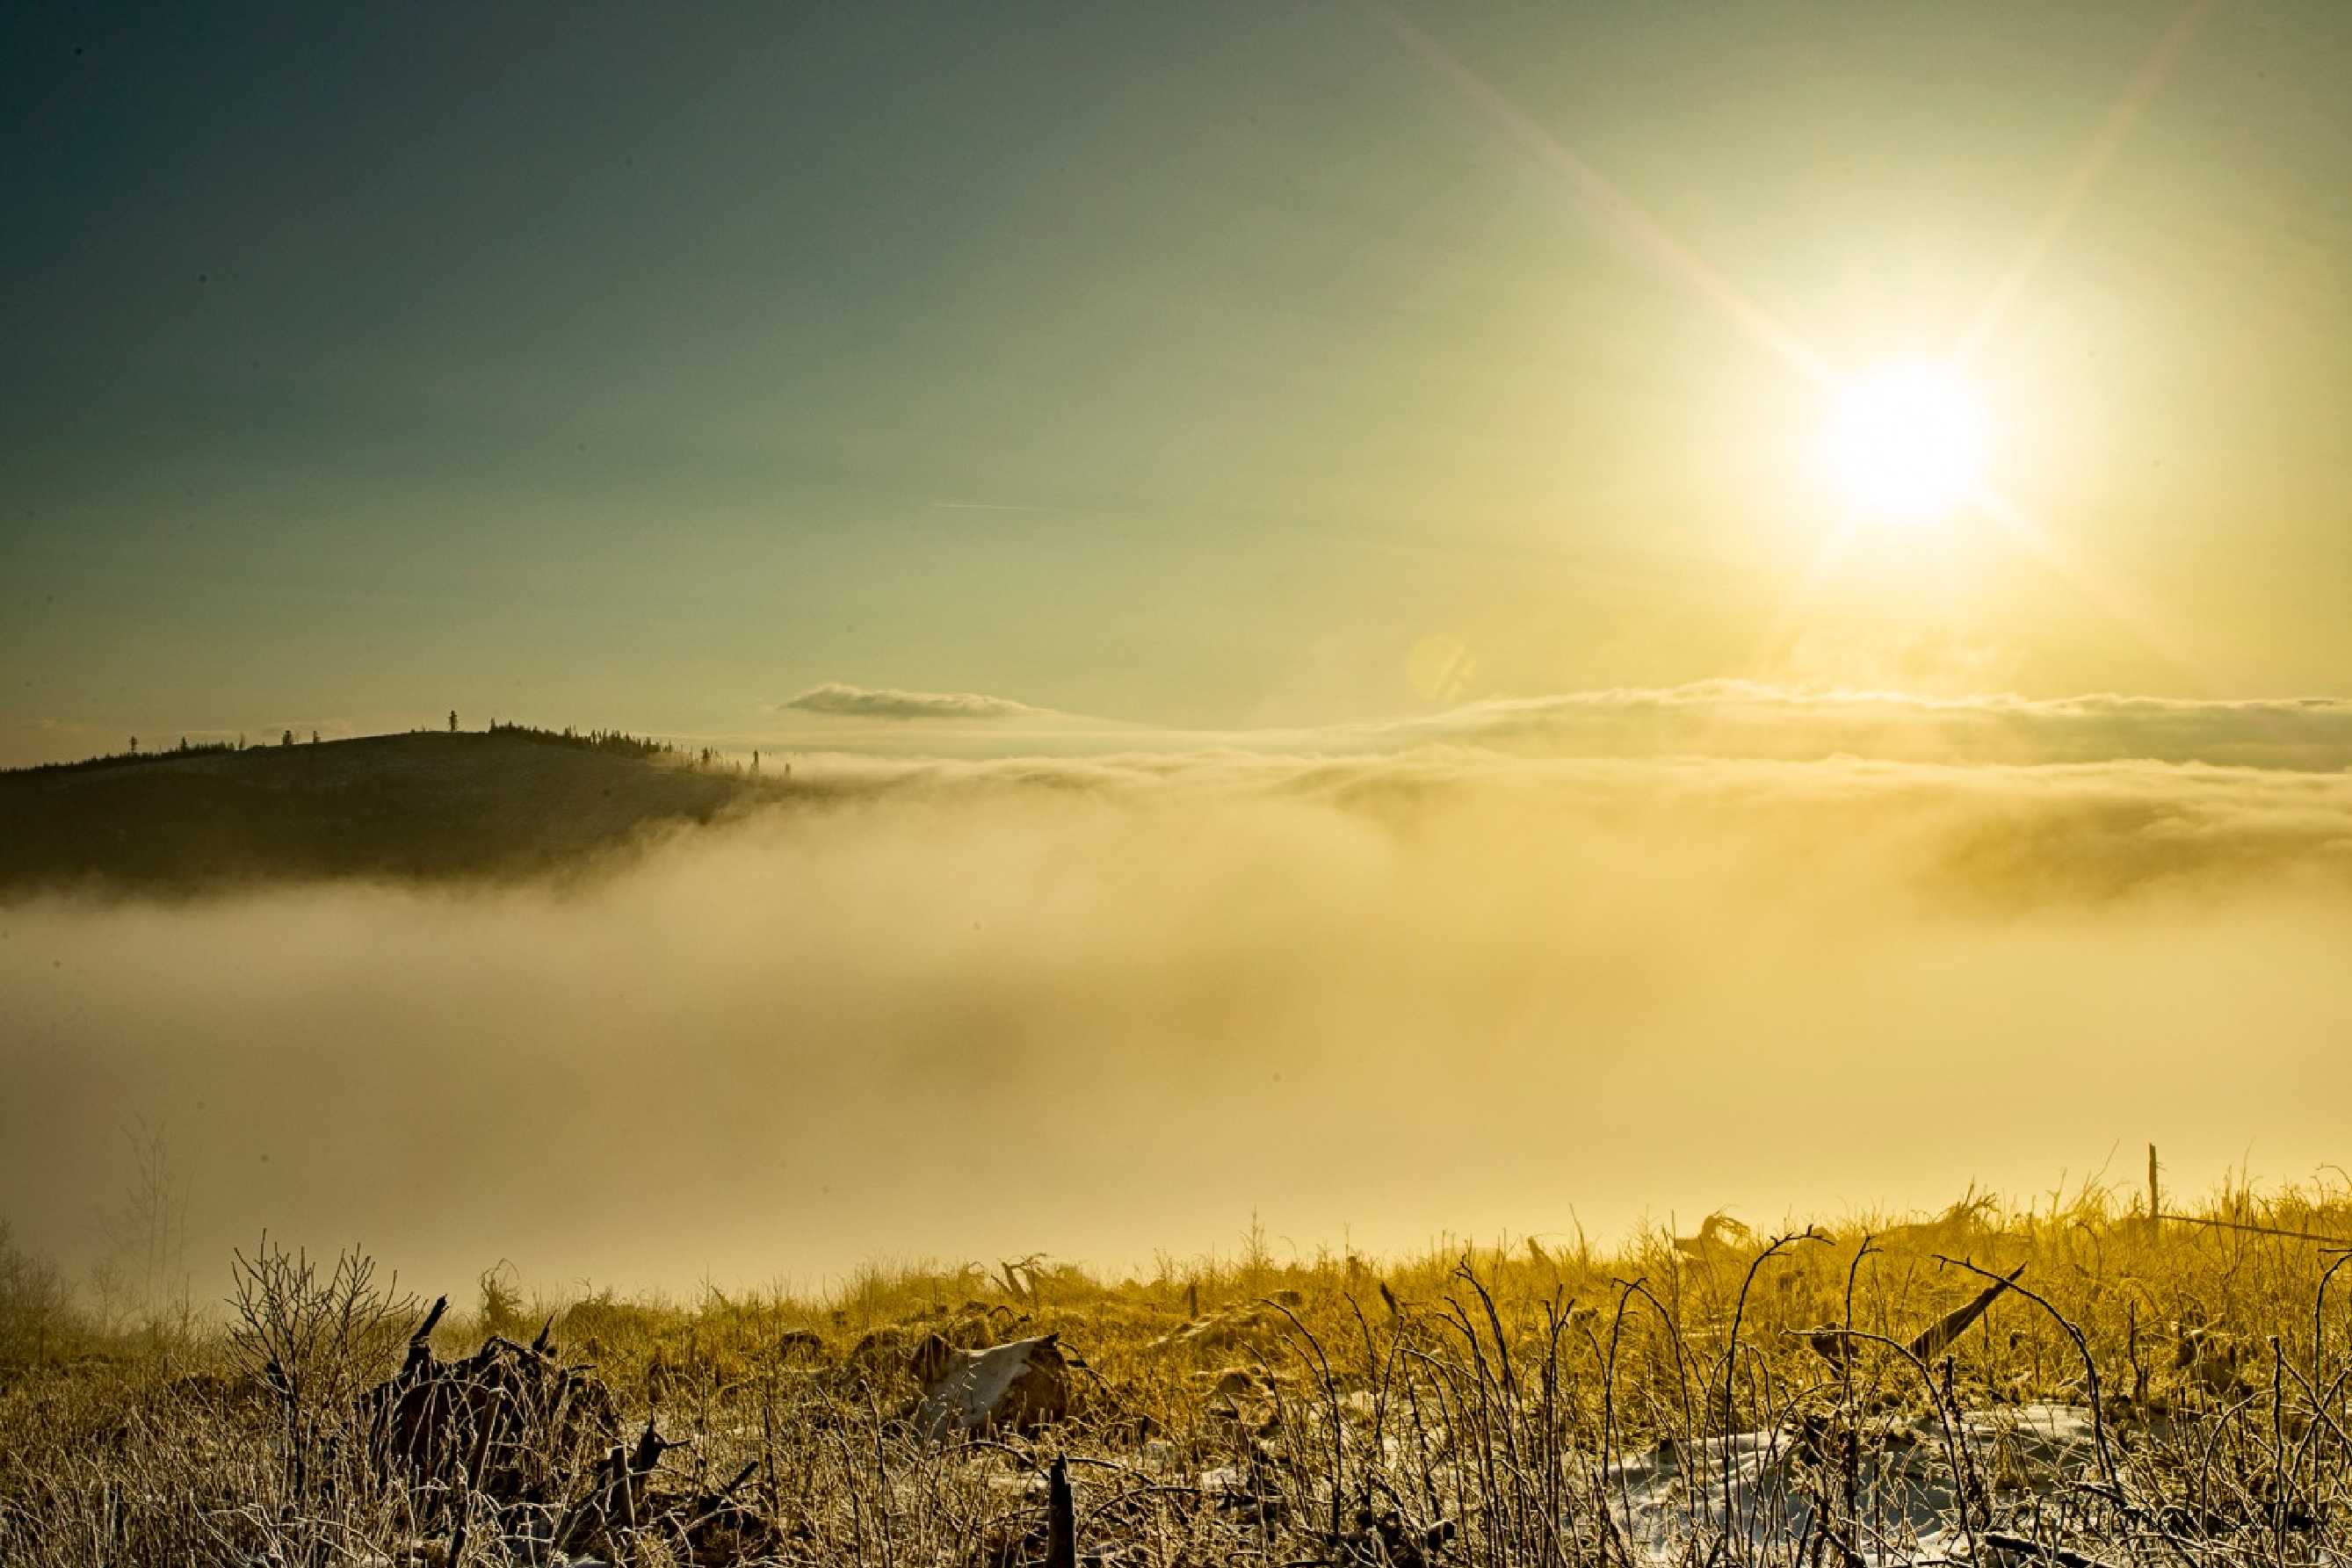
1102,1009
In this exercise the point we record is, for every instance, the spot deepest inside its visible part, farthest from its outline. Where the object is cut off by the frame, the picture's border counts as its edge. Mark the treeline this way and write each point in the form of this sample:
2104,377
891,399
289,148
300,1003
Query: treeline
620,743
612,742
135,756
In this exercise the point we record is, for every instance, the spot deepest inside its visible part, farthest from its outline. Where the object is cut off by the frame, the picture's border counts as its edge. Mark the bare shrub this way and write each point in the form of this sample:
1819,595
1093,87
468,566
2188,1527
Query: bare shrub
38,1319
316,1342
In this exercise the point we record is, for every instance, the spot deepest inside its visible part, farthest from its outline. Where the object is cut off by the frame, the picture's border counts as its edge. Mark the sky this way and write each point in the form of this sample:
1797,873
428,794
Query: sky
1209,368
1314,564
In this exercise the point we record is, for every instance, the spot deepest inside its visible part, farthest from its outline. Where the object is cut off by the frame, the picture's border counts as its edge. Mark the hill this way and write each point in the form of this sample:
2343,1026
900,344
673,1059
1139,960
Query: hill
425,804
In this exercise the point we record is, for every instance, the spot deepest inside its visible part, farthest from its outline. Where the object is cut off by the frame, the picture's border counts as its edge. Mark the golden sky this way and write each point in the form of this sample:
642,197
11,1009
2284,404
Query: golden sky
1207,367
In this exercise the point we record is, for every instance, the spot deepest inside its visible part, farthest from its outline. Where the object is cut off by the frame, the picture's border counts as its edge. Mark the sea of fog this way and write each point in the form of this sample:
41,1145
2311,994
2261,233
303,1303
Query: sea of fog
1108,1008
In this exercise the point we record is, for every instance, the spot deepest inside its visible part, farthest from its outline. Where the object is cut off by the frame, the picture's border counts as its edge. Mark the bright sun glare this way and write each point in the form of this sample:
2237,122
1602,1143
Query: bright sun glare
1905,443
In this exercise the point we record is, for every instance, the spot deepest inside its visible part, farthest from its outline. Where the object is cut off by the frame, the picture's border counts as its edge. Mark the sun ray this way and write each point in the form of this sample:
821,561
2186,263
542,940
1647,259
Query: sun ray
2072,563
1779,632
1611,208
2097,155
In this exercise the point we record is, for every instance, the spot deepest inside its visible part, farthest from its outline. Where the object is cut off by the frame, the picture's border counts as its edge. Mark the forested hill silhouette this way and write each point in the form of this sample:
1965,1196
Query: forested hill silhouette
509,801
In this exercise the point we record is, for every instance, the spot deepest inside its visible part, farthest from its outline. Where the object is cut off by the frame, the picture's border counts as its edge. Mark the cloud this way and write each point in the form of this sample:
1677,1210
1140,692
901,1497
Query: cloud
1749,718
1723,718
1518,964
2019,835
1378,997
836,698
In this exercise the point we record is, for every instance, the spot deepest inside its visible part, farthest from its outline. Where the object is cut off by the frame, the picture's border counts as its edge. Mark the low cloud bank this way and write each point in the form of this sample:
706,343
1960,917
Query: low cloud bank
1938,833
1724,718
1100,1007
1750,719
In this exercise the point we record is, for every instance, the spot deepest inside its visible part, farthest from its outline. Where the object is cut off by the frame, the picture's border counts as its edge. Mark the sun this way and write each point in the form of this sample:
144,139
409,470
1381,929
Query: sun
1905,443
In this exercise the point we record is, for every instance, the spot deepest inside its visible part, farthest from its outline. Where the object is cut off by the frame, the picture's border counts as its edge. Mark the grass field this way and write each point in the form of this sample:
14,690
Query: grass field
2170,1392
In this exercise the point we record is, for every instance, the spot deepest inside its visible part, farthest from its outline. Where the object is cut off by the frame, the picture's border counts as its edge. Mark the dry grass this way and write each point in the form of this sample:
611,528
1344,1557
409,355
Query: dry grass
1528,1404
